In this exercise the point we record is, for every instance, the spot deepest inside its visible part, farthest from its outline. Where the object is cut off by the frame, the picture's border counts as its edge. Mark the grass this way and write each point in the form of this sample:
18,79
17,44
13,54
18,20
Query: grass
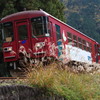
67,84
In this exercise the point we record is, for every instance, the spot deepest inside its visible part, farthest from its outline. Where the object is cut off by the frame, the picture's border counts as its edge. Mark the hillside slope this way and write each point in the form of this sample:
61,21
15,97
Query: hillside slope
84,15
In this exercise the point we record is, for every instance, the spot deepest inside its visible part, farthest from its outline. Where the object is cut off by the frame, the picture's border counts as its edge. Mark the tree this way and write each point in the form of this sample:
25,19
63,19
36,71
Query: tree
75,20
84,15
54,7
9,8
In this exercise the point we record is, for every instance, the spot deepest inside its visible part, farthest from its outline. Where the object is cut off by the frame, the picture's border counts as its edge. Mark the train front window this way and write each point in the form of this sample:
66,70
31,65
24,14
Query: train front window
39,26
8,32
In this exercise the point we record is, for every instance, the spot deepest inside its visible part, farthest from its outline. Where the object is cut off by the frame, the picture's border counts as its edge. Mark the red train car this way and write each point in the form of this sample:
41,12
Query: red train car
33,35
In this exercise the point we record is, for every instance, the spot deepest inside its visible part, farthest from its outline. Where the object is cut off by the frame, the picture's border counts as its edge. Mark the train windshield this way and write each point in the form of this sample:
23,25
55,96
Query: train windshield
8,32
39,26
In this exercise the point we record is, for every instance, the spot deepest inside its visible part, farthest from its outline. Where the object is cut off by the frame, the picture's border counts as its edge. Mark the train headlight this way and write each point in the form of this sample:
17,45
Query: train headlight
39,45
7,49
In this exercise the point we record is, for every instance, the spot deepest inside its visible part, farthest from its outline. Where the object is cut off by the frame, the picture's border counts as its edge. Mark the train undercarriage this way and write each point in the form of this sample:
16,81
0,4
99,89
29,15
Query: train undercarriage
25,65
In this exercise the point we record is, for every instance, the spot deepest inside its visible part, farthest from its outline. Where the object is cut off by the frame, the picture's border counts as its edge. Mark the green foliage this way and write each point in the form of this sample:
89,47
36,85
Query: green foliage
54,7
9,9
84,15
69,85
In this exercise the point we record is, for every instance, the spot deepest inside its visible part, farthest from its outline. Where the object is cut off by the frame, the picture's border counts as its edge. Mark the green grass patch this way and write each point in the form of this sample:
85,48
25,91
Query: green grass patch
67,84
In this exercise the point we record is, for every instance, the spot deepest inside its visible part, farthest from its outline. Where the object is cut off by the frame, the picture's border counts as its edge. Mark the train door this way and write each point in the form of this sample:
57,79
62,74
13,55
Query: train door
51,31
22,33
58,40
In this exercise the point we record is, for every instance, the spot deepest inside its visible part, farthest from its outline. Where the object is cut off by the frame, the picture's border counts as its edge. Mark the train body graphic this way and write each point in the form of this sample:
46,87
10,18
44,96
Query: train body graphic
33,35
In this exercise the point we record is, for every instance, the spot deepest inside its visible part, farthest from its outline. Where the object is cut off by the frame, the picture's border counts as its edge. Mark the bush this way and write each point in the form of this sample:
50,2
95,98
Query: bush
67,84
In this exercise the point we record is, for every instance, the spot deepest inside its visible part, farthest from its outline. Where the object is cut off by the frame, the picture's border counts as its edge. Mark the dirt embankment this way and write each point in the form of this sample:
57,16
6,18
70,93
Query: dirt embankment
80,67
20,92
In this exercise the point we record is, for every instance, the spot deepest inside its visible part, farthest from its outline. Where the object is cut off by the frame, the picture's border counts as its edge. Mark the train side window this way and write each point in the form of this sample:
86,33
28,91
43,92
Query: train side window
88,45
84,42
79,40
75,40
80,43
69,37
84,47
69,41
88,49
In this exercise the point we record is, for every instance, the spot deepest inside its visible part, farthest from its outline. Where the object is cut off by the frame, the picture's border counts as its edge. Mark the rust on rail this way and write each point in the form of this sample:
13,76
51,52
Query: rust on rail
11,78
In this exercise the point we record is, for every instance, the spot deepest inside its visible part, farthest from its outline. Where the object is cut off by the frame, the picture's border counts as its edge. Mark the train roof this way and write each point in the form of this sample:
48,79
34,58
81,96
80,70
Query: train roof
31,13
69,26
23,15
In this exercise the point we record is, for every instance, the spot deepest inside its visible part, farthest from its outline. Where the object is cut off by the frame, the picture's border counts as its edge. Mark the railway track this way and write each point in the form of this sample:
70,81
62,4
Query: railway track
11,80
7,78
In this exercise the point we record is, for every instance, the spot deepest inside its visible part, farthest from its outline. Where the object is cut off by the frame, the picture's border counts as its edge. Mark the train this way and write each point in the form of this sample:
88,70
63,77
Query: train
35,35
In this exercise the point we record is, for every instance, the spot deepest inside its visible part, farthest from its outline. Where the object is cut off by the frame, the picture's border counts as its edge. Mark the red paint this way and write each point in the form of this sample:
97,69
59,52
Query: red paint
48,45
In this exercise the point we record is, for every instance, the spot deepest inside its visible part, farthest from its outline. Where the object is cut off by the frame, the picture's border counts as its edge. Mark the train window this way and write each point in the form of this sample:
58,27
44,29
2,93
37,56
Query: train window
74,38
8,31
58,32
80,45
79,40
39,26
89,49
90,45
22,31
84,42
69,35
87,44
75,44
84,47
69,40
